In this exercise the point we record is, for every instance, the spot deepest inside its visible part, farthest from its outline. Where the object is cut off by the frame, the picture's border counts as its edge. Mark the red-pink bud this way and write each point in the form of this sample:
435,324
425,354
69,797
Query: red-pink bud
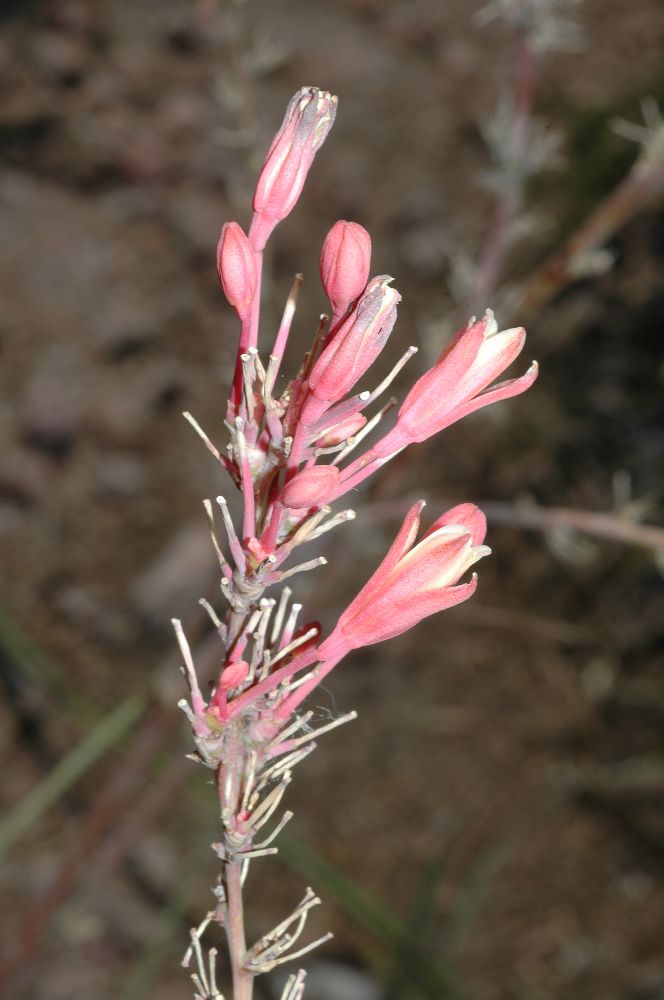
353,348
310,487
309,117
236,266
233,675
342,431
344,263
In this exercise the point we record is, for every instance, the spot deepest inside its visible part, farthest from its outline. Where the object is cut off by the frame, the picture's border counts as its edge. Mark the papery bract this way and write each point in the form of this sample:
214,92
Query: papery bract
412,583
344,263
236,267
457,383
309,117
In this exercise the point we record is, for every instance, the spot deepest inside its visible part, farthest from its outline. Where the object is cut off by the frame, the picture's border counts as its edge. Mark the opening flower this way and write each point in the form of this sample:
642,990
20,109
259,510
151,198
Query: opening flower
459,383
413,581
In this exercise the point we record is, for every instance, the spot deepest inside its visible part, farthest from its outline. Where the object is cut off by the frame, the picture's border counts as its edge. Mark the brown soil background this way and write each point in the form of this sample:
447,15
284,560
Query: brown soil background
520,734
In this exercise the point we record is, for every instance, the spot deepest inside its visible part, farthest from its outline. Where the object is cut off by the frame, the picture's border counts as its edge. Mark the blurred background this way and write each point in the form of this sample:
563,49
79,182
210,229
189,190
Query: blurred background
493,825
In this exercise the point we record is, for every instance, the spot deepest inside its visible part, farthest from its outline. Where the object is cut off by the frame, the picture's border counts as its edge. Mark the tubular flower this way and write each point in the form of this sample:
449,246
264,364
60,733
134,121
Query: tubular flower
344,263
309,117
353,348
236,267
412,582
459,383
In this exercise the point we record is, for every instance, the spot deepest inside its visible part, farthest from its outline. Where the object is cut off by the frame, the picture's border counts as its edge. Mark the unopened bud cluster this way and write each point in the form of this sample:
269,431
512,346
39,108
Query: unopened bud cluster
292,452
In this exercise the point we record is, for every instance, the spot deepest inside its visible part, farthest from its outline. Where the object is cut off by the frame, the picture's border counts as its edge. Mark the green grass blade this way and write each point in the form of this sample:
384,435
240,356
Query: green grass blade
472,896
369,912
143,975
69,769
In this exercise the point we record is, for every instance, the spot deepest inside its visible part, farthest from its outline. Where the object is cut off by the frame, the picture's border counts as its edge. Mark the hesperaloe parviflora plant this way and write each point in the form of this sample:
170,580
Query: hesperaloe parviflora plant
290,456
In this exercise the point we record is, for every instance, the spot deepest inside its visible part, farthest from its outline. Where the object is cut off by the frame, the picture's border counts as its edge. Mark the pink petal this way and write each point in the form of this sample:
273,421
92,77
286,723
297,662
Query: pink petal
393,620
468,516
495,355
503,390
401,544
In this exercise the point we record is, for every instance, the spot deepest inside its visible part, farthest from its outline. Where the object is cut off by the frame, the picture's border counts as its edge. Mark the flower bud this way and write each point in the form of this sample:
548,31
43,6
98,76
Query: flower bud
342,431
354,347
230,677
236,266
344,263
309,117
233,675
310,487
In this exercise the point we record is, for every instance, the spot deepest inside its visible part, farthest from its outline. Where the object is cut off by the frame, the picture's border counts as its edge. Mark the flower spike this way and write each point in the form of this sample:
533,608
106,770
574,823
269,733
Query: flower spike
245,719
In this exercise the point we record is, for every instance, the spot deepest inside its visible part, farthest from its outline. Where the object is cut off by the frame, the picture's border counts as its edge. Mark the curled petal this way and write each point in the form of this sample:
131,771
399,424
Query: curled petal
468,516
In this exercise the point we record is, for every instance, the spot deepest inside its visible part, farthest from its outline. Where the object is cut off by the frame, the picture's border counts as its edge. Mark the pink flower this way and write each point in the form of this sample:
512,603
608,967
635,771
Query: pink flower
344,264
353,348
236,266
310,487
457,383
412,583
309,117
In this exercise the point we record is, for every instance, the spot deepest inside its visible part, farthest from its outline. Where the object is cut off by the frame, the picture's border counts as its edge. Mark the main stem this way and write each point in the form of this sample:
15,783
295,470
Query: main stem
243,980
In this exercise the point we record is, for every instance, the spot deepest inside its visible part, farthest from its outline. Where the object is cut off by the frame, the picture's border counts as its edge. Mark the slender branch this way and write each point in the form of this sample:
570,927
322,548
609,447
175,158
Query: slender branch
243,980
615,527
510,192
